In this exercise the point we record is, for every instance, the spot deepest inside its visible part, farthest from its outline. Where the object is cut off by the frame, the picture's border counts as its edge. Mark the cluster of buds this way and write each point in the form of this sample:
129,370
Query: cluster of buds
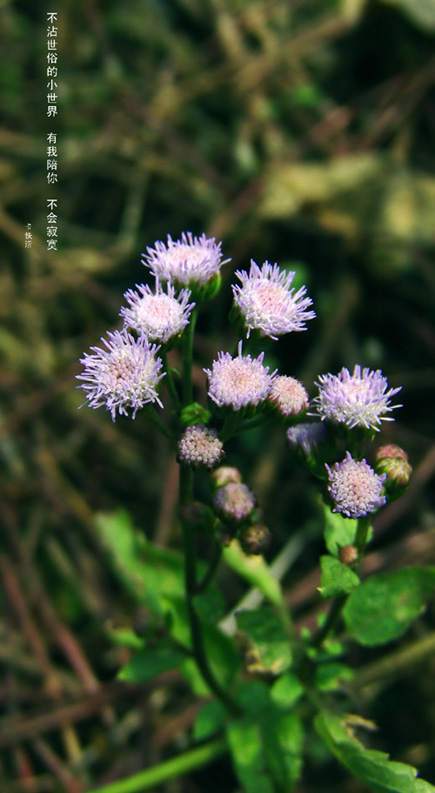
236,507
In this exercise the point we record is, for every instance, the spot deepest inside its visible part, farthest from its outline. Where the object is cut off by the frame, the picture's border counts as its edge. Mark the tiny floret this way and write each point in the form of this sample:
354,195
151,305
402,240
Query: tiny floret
234,501
159,315
268,303
360,399
200,446
122,375
238,382
288,395
354,487
189,260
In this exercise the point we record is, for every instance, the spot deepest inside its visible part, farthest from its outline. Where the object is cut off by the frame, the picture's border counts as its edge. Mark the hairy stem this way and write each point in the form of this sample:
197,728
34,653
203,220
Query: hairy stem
187,358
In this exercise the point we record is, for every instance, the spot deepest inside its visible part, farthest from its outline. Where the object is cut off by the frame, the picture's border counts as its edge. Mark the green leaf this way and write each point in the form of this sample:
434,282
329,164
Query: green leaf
422,12
125,637
210,605
384,606
209,720
255,570
269,641
339,531
337,578
286,691
328,676
149,662
148,572
245,741
282,736
371,767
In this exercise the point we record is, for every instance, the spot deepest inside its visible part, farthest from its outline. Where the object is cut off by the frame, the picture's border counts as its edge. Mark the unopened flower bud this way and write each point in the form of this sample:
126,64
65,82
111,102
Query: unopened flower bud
288,397
393,461
194,414
234,502
348,554
225,475
255,539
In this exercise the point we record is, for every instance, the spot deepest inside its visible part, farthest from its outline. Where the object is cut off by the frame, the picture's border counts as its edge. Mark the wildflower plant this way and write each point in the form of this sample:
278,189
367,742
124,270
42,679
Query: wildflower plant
263,682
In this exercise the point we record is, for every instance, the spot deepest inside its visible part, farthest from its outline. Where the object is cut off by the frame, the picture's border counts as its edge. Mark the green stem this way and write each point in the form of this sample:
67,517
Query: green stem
156,420
199,651
187,357
337,605
169,380
330,622
362,534
217,553
169,769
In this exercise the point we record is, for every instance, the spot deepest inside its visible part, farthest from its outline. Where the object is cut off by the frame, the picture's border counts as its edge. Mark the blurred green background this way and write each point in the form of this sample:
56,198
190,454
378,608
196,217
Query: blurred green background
300,132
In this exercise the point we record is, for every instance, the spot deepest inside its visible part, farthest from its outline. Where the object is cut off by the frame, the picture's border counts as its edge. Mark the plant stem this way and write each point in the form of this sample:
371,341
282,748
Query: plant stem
362,534
187,358
156,420
338,603
169,769
332,618
217,553
190,551
169,380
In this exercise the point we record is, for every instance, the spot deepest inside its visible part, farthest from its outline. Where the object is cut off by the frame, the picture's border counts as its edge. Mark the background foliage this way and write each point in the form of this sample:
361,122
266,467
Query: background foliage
299,132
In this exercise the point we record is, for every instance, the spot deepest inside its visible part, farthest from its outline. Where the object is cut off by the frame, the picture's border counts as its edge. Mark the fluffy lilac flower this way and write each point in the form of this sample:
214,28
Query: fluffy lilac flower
200,446
288,395
306,436
354,487
190,260
159,315
234,501
357,400
240,381
267,302
124,375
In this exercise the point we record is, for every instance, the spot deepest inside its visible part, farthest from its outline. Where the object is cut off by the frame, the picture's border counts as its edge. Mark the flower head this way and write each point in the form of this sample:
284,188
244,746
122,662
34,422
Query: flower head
268,303
306,436
124,374
354,487
234,501
190,260
200,446
159,315
288,395
360,399
240,381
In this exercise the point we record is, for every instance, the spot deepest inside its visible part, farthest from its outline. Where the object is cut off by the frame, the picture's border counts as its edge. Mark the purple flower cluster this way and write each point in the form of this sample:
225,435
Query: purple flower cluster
200,446
159,315
238,382
360,399
268,303
122,375
190,260
354,487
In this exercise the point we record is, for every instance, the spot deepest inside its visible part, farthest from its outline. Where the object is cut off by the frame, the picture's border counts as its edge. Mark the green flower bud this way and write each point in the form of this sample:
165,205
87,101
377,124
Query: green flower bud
393,461
225,475
255,539
194,414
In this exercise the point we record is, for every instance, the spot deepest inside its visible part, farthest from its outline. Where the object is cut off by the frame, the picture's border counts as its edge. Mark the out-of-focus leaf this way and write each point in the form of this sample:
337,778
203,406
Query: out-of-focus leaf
384,606
422,12
373,768
286,691
269,642
244,738
337,578
329,676
255,570
149,662
209,720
